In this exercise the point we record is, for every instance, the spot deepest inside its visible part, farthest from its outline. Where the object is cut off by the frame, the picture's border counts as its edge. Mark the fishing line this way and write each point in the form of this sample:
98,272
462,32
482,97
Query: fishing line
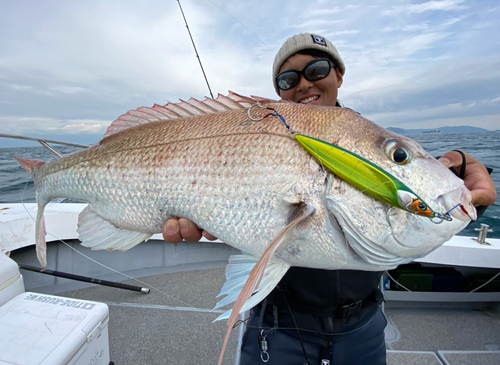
472,291
255,35
483,285
456,206
397,282
121,273
274,113
97,262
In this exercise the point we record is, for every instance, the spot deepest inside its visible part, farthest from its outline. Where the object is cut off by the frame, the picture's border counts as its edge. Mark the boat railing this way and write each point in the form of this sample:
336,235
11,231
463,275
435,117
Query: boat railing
45,142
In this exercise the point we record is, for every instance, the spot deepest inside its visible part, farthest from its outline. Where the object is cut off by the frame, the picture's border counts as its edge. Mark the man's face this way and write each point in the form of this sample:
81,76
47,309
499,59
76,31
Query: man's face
320,92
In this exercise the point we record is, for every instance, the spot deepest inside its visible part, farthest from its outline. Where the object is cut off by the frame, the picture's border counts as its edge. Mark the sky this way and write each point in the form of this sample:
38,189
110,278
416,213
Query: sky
69,68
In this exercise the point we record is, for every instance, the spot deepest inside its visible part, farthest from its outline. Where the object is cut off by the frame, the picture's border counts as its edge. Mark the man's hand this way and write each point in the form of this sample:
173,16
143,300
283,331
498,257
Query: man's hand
175,230
476,178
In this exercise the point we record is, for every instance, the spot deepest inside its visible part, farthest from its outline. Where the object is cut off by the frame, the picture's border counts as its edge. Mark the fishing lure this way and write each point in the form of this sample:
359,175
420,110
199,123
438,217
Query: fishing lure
363,174
368,177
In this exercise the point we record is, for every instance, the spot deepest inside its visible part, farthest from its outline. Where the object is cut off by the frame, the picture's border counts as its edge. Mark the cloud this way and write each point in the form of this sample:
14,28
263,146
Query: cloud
406,116
80,126
48,126
416,43
67,89
65,65
444,5
313,23
344,32
312,12
323,11
415,27
19,87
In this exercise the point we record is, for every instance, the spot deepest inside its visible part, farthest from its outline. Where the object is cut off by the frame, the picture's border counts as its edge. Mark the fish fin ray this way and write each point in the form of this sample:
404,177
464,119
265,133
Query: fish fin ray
29,165
99,234
255,276
144,115
41,232
237,273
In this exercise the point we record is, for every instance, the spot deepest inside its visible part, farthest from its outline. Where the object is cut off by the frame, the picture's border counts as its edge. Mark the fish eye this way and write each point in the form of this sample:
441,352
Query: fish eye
398,151
400,155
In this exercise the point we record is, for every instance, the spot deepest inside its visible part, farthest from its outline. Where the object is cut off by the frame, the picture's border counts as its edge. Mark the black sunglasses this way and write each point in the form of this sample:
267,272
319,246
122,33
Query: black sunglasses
313,71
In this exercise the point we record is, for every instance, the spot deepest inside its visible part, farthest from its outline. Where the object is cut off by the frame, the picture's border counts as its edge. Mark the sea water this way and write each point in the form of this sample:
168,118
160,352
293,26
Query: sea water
16,185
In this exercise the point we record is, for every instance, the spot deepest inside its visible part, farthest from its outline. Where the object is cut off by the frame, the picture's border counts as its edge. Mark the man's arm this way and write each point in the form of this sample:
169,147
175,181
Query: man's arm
476,178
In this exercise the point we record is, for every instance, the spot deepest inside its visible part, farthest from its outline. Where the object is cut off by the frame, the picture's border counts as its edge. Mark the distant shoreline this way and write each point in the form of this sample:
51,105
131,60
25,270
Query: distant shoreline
458,129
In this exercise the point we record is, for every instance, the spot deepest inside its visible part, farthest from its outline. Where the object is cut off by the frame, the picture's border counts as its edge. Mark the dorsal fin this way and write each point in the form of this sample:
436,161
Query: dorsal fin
187,108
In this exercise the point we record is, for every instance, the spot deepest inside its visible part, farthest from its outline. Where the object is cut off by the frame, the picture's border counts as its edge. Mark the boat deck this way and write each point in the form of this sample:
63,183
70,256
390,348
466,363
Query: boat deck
173,324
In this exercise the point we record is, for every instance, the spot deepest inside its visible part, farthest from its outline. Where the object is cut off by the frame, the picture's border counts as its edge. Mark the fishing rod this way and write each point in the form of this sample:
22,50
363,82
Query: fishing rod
195,50
85,279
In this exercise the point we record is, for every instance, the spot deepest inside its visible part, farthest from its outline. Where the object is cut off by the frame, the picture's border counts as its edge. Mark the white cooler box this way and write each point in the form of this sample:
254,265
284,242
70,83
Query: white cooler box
38,329
11,281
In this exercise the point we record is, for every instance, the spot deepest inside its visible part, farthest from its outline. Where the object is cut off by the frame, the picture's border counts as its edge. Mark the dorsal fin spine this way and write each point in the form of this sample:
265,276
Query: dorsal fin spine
192,107
183,112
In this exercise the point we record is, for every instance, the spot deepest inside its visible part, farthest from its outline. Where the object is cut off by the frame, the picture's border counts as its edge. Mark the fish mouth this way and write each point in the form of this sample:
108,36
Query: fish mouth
458,203
456,210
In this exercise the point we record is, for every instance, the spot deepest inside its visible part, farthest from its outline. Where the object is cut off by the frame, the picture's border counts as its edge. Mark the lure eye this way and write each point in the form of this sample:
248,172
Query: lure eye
414,204
400,156
422,206
419,207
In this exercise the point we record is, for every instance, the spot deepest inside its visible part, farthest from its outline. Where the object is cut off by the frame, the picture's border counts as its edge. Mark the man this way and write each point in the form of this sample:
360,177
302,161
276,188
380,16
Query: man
321,316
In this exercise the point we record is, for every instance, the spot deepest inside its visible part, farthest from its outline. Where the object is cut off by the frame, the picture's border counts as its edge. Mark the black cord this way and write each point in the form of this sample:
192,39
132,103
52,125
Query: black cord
464,162
307,362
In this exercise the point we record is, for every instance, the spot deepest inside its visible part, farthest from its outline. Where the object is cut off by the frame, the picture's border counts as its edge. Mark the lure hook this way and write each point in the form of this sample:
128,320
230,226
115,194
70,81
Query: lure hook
273,113
261,106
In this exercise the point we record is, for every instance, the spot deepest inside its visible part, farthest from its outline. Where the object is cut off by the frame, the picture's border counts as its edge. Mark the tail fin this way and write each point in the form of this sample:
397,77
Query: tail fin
41,246
29,165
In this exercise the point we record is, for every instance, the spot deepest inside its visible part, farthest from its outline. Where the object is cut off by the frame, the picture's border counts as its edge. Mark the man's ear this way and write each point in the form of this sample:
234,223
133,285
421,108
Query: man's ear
340,78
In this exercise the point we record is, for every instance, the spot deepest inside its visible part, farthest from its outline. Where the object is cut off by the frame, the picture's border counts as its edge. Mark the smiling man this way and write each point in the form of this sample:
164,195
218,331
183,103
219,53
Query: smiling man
316,316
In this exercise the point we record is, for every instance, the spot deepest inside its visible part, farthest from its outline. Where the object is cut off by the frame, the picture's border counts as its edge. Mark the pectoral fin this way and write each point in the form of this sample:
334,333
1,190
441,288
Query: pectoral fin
237,272
256,274
98,234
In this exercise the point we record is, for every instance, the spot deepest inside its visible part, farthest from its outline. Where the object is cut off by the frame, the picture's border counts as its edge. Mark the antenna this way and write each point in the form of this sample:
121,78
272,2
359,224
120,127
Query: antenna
195,51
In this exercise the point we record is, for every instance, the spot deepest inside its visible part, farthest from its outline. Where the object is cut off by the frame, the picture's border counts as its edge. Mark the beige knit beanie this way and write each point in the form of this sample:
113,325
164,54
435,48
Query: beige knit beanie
300,42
